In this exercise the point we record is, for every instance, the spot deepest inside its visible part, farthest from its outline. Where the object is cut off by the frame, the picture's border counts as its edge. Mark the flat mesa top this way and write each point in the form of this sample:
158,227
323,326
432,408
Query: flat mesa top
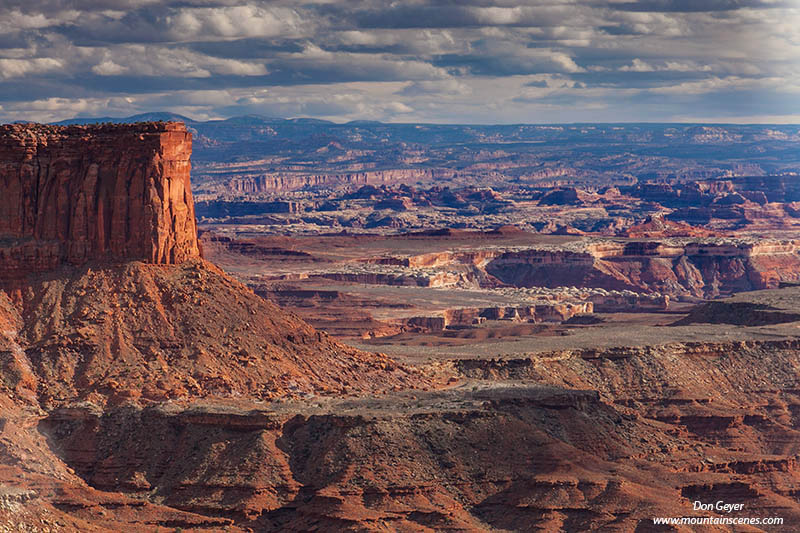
22,130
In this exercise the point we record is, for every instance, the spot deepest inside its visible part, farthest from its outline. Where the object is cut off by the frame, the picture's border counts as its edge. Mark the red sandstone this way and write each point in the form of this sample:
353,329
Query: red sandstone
81,193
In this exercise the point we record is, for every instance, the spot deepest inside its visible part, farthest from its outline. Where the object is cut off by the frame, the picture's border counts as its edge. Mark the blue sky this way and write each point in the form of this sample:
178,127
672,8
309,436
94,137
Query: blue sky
469,61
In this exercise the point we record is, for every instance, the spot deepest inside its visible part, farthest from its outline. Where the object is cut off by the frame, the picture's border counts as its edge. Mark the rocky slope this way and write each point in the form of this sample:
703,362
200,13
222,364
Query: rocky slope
590,440
110,303
148,391
150,332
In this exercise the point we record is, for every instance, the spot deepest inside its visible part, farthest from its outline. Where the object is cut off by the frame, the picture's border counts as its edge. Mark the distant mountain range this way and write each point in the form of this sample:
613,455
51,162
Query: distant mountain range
261,119
584,152
166,116
142,117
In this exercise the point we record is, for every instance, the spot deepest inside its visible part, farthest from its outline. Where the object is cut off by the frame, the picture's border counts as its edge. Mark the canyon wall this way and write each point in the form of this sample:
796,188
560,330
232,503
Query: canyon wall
288,182
585,440
100,192
118,198
692,267
700,269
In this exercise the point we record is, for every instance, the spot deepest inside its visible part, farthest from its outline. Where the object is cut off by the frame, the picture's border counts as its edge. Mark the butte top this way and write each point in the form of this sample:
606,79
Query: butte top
106,192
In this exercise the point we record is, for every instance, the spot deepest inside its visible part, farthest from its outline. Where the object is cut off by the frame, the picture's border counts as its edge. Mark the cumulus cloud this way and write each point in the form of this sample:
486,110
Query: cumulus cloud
11,68
15,19
141,60
232,22
489,56
427,60
637,65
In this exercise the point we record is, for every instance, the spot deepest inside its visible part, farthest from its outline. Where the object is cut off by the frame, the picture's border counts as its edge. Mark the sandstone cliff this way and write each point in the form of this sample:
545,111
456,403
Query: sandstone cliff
111,304
583,440
279,182
101,192
127,310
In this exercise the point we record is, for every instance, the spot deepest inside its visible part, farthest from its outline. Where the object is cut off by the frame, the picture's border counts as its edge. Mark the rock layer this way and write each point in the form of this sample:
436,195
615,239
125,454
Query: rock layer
127,313
583,440
290,182
102,192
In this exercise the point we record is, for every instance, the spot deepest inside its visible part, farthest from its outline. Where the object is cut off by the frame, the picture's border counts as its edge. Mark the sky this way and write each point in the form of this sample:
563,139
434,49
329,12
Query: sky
442,61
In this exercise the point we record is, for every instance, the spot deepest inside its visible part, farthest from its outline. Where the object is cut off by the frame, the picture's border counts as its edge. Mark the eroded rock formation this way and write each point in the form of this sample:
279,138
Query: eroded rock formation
287,182
145,318
111,304
81,193
583,440
700,268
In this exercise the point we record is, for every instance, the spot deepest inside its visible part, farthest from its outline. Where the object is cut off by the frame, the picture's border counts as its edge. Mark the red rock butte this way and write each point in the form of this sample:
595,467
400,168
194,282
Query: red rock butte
101,219
106,192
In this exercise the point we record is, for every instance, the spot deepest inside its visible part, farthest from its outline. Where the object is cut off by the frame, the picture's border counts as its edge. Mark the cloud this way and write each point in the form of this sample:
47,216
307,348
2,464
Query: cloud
418,42
697,6
399,107
427,60
232,22
160,24
141,60
16,20
320,65
637,65
490,57
457,15
448,87
718,84
11,68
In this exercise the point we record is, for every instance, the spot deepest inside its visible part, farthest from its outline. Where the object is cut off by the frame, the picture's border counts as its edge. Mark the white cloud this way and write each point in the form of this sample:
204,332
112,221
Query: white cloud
716,84
399,107
13,68
424,42
328,63
14,19
637,65
152,60
108,68
236,22
448,87
515,57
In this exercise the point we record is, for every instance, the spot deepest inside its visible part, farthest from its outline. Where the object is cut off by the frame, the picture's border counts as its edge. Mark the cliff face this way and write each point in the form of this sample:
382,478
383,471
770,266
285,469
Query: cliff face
122,330
126,327
289,182
100,192
584,440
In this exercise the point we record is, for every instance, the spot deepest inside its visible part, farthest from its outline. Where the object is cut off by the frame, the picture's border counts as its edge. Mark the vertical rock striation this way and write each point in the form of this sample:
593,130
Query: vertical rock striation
94,193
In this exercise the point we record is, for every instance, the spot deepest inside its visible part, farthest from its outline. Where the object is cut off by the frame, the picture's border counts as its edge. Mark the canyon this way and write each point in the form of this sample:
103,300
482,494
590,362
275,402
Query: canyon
263,369
118,306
